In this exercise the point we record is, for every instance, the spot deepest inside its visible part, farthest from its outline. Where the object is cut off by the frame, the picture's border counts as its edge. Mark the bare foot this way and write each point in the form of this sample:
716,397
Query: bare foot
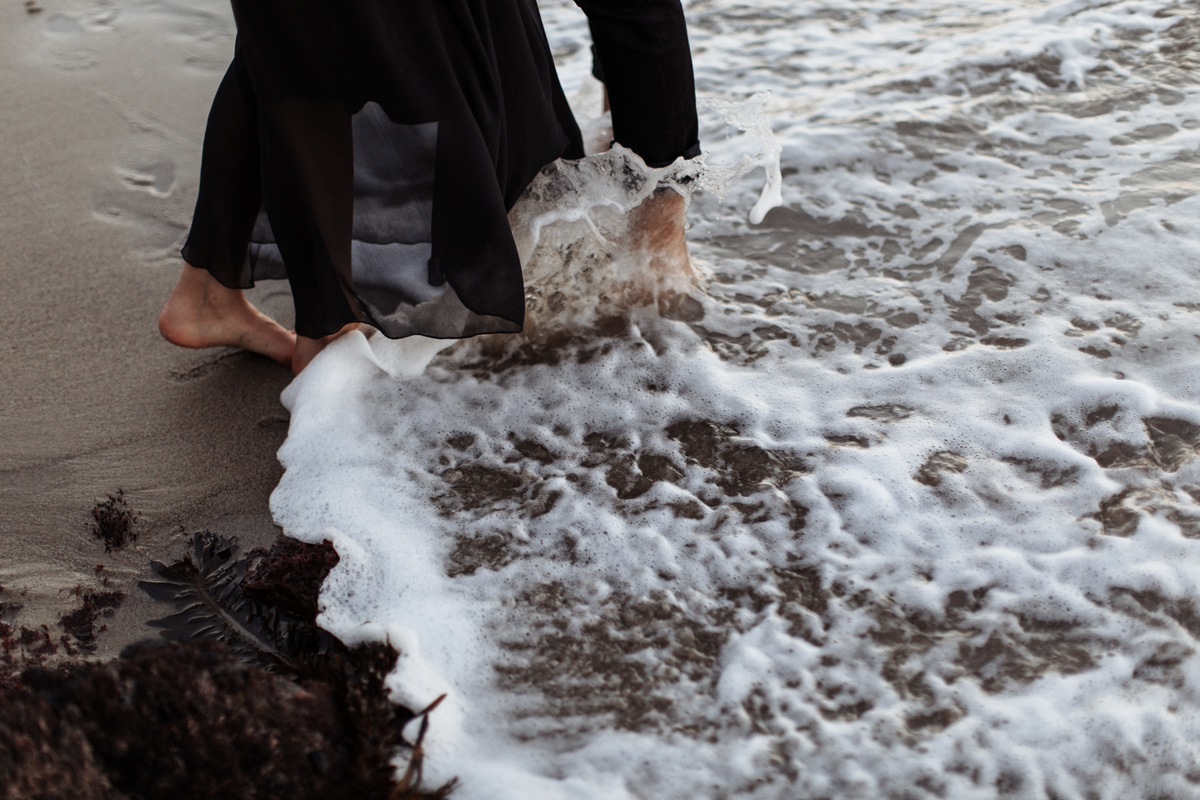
307,349
657,233
202,312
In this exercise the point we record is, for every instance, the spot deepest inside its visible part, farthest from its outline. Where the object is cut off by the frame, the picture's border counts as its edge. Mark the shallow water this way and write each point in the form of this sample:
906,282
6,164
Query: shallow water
904,506
903,503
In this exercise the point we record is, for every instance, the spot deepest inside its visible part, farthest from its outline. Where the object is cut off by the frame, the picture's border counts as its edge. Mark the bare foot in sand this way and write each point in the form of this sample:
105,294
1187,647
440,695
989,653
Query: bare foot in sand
657,232
202,312
307,349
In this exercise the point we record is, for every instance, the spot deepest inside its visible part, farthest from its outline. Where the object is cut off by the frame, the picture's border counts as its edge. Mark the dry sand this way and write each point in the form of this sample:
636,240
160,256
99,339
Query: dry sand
101,124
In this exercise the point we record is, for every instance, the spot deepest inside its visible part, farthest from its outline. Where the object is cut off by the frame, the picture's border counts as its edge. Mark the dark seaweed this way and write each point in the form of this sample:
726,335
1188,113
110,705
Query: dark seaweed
81,623
205,588
265,613
248,698
192,722
114,521
290,575
268,621
22,647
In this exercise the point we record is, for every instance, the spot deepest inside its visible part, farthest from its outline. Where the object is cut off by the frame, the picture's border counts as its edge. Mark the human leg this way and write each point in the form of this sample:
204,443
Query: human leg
646,65
308,175
394,138
657,232
307,349
207,307
642,48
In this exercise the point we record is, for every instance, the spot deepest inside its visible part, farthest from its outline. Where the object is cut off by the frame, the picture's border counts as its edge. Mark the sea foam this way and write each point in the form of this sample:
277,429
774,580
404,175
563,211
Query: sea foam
903,503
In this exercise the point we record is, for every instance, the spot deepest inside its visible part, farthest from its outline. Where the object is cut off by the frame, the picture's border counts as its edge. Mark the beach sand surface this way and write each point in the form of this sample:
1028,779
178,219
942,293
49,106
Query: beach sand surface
102,125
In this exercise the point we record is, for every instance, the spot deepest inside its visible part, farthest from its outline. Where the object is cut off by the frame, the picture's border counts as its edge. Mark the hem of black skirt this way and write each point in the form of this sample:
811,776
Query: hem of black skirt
448,338
520,327
329,331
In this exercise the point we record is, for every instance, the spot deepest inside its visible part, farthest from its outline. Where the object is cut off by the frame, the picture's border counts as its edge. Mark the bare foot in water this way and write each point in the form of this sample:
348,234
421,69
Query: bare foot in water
657,232
202,312
307,349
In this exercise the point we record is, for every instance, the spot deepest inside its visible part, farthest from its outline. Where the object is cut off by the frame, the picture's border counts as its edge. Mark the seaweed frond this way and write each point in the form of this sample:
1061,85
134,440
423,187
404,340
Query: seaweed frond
205,587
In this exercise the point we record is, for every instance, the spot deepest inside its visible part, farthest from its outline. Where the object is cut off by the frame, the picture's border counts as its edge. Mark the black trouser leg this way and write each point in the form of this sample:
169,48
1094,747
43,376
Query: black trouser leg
308,181
642,47
230,194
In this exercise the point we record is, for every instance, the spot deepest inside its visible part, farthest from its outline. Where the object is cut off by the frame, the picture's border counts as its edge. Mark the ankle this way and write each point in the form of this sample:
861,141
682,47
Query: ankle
307,349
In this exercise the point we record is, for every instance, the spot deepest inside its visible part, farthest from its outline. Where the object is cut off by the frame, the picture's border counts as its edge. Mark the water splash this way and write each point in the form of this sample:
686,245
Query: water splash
750,117
568,191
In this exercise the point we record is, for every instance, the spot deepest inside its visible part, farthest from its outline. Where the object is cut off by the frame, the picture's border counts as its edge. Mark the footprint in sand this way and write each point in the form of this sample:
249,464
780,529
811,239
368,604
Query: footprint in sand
100,18
61,31
162,234
156,176
207,62
61,23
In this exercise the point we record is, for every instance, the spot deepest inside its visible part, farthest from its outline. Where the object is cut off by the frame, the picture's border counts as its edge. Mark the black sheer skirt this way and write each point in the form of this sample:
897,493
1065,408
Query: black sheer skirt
369,151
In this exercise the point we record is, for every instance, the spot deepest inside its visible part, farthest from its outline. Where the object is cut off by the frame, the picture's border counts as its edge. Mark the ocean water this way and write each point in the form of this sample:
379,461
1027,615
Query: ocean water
901,500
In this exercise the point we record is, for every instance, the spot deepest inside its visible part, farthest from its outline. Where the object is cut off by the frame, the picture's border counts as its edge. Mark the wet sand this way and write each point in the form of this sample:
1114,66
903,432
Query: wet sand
98,172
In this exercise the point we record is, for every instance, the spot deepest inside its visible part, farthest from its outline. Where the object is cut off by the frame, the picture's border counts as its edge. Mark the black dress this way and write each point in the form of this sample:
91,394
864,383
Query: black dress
369,150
